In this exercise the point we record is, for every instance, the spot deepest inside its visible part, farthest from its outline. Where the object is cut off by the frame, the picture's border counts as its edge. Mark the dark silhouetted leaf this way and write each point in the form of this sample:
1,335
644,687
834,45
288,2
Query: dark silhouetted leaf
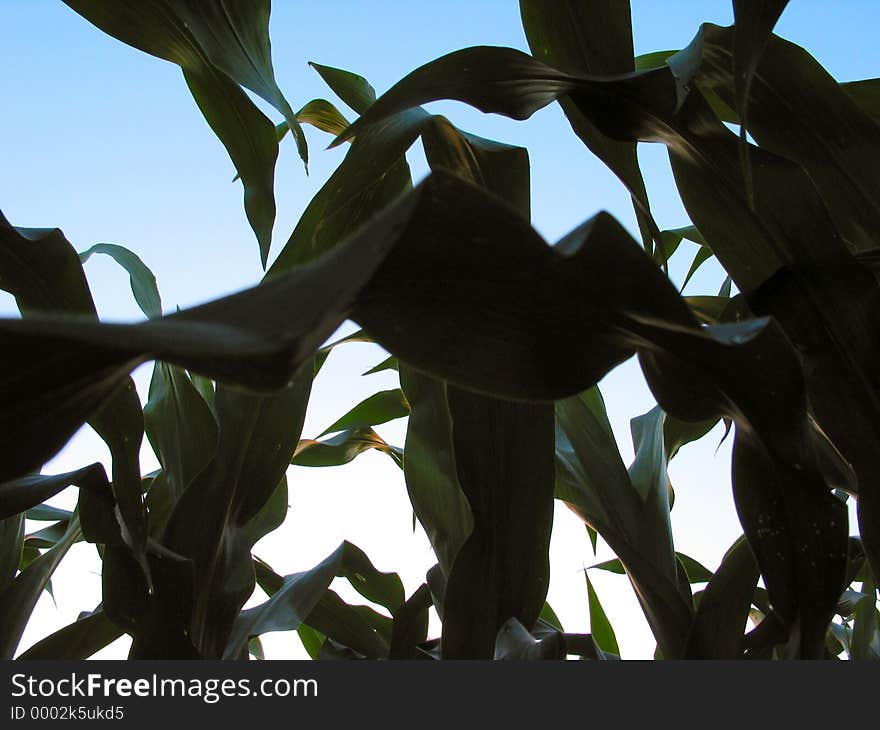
720,620
85,636
28,492
592,38
294,597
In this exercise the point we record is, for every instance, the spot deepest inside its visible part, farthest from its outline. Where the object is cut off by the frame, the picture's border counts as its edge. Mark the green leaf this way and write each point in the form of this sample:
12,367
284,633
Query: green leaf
672,239
323,353
257,438
786,512
312,640
353,89
592,38
255,649
359,628
592,479
221,46
294,597
47,537
548,616
410,627
511,500
600,626
343,448
797,110
45,513
181,427
752,31
11,546
394,275
373,173
696,572
381,407
389,363
429,467
322,115
42,270
720,621
28,492
704,253
84,637
18,598
143,281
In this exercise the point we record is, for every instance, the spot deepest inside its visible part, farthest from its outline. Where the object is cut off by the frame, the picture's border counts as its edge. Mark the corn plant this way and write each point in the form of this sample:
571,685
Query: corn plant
499,339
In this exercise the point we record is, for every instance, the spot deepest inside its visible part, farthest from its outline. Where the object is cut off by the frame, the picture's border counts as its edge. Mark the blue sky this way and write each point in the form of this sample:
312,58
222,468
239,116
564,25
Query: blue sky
106,143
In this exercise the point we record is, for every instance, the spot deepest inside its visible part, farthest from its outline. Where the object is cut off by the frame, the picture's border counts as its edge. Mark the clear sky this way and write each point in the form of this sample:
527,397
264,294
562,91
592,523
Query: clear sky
106,143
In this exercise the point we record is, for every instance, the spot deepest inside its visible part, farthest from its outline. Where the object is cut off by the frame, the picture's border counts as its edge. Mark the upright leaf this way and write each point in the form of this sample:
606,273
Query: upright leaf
595,38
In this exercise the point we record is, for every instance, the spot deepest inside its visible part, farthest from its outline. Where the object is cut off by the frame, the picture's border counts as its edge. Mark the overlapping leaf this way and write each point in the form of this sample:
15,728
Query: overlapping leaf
592,38
395,274
41,269
294,597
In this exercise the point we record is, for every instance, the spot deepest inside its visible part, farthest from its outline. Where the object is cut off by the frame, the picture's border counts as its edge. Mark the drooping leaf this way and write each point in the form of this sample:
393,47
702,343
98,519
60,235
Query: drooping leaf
294,597
221,46
47,537
586,269
321,114
696,572
29,492
343,448
359,628
45,513
143,281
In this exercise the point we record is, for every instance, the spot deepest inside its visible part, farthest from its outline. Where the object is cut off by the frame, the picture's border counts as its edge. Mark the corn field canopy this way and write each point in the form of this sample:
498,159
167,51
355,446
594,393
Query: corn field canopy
497,338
